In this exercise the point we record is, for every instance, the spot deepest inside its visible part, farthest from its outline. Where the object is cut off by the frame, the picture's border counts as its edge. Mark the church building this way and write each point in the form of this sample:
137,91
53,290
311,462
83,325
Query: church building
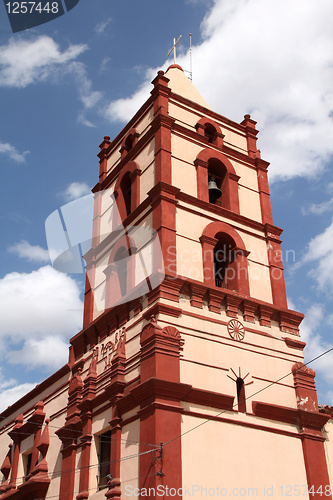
188,377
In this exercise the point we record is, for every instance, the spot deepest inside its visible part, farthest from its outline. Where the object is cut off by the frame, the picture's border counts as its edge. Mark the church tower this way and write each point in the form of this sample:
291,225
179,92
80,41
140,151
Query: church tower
188,377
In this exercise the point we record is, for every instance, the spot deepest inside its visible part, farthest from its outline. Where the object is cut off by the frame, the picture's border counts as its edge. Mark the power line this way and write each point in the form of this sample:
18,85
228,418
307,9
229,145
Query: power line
158,447
251,396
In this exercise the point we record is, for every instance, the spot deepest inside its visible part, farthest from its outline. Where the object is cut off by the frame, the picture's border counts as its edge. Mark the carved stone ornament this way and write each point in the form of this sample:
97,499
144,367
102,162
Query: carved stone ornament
236,330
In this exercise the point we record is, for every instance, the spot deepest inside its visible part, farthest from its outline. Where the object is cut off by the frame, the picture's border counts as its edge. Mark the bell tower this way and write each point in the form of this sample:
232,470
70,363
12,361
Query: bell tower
195,353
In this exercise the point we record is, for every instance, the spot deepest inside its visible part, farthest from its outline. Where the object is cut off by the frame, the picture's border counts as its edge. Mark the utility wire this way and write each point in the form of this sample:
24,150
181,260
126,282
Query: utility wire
251,396
158,447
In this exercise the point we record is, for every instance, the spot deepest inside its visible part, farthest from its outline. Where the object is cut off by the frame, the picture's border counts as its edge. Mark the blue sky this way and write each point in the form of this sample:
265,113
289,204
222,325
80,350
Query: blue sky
67,83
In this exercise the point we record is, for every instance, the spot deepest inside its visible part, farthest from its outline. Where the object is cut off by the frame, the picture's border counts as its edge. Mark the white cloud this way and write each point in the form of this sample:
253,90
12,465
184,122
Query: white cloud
275,62
11,395
88,97
75,190
318,208
48,303
33,253
49,353
84,121
100,27
124,109
310,328
12,152
320,252
26,61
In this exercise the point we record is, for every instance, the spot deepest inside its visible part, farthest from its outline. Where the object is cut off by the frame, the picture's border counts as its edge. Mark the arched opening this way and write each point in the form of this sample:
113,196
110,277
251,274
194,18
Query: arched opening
128,143
126,189
216,177
210,133
241,395
224,258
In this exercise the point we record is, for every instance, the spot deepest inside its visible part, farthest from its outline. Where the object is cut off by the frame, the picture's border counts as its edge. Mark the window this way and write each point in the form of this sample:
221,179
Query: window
129,142
211,130
212,163
210,133
104,458
26,464
241,395
224,257
126,189
216,177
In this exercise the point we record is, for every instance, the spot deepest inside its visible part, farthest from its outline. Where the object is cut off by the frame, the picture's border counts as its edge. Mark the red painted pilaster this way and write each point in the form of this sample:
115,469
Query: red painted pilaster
16,436
276,266
103,155
251,136
263,186
311,424
160,414
163,201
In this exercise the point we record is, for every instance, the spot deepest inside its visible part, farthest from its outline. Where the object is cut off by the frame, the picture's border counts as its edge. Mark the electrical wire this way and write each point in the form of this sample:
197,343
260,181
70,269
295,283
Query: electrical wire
245,399
158,447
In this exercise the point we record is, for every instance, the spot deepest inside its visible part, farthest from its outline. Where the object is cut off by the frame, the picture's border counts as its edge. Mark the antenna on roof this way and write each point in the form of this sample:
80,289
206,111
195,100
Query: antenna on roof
185,70
174,48
191,56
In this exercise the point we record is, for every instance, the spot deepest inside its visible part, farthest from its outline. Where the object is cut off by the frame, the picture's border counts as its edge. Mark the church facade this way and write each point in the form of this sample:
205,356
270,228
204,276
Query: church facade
188,376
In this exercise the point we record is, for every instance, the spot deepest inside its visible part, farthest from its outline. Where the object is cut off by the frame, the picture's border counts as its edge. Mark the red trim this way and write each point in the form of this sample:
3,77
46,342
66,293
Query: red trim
251,136
240,280
229,188
131,135
132,169
201,125
159,422
265,201
103,158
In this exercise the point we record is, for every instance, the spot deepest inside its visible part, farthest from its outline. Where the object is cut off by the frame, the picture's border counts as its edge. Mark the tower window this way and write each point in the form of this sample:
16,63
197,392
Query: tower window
104,458
241,395
129,143
210,133
217,190
223,259
126,189
27,463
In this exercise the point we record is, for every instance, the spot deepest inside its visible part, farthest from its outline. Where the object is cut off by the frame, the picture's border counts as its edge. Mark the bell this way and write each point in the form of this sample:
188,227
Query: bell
213,190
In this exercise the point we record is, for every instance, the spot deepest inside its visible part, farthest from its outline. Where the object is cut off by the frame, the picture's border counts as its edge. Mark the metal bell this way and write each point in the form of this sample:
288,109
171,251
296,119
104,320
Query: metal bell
213,190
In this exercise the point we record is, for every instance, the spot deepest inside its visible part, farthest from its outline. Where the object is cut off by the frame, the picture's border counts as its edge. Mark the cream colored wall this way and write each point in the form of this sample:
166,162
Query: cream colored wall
129,469
189,258
236,140
190,227
141,126
259,281
184,150
106,217
328,433
249,203
229,456
184,176
144,122
147,181
210,357
184,116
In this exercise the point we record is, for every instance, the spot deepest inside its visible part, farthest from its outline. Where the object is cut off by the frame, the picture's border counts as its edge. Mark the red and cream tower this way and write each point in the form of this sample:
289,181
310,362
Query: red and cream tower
187,378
